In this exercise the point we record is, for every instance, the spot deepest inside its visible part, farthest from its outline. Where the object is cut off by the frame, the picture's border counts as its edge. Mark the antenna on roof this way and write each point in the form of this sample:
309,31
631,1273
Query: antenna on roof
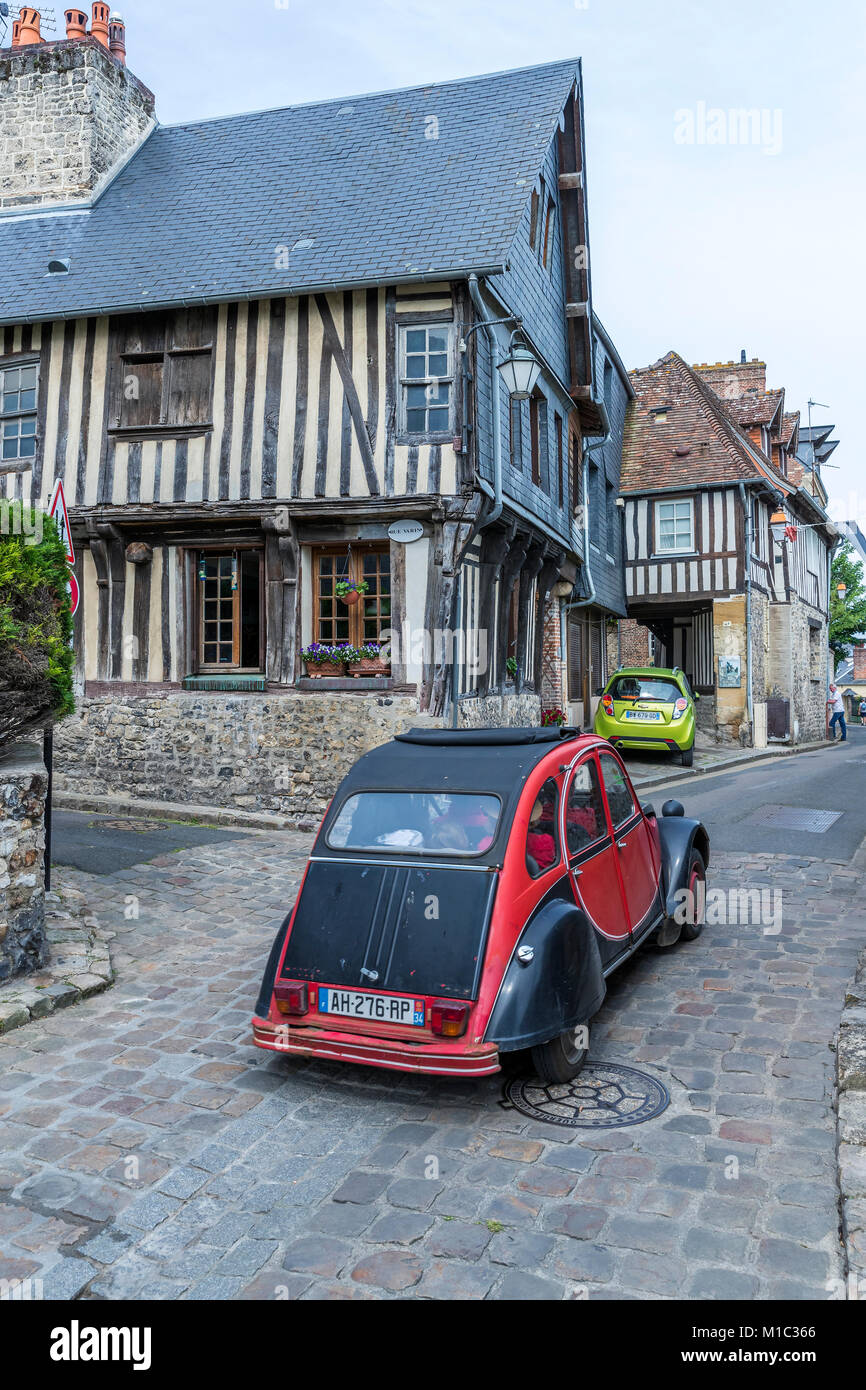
47,17
809,405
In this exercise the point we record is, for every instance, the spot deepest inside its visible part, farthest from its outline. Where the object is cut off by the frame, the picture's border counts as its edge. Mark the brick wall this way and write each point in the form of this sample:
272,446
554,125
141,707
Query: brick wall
552,665
634,643
71,113
860,663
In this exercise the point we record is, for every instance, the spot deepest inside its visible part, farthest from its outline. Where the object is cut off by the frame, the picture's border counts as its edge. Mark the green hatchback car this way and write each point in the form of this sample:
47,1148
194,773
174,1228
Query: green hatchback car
647,707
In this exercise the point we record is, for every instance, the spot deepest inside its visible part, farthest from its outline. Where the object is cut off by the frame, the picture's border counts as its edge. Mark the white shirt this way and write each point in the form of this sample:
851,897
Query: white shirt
836,703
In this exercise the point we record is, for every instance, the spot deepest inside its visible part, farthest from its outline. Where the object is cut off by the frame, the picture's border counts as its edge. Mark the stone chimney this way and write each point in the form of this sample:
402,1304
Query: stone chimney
860,662
72,112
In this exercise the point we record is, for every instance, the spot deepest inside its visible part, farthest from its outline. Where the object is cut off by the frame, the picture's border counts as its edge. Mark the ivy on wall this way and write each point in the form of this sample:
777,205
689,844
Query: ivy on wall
35,625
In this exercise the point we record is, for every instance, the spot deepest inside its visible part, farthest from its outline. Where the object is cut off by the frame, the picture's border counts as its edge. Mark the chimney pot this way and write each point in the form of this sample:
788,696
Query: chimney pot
76,24
99,24
742,354
29,21
117,36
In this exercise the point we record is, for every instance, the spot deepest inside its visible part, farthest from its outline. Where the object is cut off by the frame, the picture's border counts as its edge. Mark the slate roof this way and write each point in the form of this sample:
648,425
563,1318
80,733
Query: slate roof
695,421
199,212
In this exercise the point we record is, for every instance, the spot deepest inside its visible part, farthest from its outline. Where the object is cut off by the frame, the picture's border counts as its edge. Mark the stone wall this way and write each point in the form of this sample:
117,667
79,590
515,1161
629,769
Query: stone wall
23,789
633,643
71,112
283,754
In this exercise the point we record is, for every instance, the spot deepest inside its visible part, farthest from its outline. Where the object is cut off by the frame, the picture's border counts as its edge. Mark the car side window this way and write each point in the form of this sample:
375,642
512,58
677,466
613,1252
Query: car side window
619,797
542,840
584,813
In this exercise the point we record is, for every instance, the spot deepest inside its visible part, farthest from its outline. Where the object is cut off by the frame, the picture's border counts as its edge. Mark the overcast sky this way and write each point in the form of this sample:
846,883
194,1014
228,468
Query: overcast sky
705,247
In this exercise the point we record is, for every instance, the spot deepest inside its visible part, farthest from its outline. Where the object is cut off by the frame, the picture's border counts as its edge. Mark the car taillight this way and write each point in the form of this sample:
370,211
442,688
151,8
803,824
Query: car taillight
447,1019
607,702
292,997
680,708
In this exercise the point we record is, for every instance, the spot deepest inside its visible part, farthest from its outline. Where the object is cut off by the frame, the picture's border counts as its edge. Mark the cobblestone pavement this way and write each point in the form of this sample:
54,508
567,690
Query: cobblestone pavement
148,1150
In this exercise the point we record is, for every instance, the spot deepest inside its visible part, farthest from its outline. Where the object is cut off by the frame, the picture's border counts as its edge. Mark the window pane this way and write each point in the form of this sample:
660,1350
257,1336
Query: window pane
416,395
416,340
460,824
542,840
438,340
415,421
619,798
584,814
438,364
438,421
416,367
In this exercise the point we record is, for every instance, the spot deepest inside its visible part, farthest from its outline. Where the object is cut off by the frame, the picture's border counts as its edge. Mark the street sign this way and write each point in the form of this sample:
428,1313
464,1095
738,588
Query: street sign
405,532
58,511
74,595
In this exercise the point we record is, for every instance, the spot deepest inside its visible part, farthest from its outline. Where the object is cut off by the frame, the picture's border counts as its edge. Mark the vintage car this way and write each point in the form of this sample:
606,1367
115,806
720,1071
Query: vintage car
648,707
467,896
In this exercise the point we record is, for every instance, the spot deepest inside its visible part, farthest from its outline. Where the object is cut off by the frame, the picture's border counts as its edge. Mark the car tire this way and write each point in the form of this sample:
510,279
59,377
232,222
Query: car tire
697,882
688,756
559,1060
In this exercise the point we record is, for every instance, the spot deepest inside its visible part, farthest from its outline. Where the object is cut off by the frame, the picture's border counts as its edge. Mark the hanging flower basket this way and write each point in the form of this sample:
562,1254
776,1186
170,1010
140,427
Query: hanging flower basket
350,592
321,660
370,660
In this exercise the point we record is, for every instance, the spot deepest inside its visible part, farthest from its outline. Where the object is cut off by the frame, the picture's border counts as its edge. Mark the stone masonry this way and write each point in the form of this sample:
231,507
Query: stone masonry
23,789
71,113
283,754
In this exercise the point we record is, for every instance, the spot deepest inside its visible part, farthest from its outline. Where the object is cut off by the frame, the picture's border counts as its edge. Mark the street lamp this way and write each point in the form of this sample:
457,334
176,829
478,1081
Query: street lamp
519,370
841,590
778,525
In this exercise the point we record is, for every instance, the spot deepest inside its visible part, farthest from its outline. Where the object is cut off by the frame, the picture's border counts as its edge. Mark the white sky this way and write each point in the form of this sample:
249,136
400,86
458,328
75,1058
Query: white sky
704,248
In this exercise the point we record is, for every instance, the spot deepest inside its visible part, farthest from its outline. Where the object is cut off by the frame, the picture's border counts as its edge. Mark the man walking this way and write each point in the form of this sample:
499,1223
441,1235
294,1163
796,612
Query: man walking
837,712
863,710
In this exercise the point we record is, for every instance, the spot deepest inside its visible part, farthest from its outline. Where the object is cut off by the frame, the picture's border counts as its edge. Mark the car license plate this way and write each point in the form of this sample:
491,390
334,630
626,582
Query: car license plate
383,1008
648,716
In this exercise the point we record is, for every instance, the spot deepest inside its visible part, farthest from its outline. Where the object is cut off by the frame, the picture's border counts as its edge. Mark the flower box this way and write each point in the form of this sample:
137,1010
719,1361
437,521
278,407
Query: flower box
370,660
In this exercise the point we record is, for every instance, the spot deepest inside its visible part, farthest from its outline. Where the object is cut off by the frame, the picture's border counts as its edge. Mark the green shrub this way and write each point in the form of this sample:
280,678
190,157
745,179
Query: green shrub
35,622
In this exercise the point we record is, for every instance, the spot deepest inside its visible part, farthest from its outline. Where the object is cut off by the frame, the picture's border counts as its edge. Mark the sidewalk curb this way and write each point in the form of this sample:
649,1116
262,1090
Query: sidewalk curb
227,816
851,1126
79,965
736,760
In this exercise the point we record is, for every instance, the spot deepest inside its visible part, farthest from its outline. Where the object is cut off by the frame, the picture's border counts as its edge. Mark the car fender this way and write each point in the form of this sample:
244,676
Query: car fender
561,987
677,836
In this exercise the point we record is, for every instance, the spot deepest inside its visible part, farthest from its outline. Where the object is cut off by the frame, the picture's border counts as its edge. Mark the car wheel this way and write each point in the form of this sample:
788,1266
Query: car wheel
688,756
561,1059
697,883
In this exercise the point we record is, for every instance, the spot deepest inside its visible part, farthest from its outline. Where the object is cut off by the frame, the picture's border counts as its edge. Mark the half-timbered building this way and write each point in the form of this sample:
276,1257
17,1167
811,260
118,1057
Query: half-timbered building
727,552
262,354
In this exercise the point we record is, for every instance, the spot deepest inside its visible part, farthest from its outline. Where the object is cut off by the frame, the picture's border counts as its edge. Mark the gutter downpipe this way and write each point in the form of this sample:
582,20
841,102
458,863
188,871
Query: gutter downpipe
495,511
747,518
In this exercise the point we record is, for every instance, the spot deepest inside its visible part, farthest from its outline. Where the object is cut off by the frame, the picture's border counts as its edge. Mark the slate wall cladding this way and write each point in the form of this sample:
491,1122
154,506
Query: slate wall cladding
70,114
23,789
281,754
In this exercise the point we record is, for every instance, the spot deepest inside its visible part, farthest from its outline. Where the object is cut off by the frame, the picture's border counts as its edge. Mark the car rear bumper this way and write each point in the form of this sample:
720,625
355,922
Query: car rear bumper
642,741
337,1045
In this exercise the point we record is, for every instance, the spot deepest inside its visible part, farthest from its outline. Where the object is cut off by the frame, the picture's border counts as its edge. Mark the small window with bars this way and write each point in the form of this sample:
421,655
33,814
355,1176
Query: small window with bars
341,621
18,388
426,380
230,622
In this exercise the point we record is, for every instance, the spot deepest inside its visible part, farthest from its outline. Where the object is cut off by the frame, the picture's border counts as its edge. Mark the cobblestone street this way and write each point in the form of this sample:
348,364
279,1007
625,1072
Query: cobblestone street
148,1150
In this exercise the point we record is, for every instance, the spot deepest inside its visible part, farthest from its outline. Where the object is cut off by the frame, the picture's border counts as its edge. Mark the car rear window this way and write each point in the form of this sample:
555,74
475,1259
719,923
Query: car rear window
645,688
461,824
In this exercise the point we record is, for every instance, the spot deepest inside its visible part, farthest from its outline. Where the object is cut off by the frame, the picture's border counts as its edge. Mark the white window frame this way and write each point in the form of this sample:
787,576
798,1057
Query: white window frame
661,551
404,434
20,462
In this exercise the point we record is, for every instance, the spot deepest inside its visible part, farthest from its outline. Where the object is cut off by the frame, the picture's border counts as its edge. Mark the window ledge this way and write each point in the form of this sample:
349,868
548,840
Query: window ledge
238,684
403,438
341,684
136,432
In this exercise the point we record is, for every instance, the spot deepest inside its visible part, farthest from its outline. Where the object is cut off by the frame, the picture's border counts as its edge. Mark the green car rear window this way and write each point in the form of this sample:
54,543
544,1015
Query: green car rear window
645,688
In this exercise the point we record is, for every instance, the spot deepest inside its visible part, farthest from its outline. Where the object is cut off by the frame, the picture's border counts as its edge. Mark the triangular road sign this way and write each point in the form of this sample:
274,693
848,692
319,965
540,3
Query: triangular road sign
58,511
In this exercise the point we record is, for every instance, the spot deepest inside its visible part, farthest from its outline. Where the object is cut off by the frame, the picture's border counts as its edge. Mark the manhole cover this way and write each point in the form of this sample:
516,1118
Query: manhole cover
797,818
604,1096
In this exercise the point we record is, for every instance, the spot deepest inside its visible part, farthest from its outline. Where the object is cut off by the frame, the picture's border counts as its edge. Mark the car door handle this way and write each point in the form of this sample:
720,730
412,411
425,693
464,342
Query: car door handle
621,844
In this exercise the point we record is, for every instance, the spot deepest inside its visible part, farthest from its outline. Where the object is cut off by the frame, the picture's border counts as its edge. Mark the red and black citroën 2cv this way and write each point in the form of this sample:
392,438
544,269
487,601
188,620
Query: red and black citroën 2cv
467,895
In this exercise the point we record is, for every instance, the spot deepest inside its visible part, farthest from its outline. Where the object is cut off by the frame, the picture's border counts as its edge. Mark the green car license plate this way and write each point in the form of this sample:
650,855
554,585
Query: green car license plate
646,716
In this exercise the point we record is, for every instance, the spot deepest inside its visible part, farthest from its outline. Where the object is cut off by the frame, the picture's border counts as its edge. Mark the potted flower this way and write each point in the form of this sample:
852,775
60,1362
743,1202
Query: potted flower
371,659
350,590
321,660
552,716
511,668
